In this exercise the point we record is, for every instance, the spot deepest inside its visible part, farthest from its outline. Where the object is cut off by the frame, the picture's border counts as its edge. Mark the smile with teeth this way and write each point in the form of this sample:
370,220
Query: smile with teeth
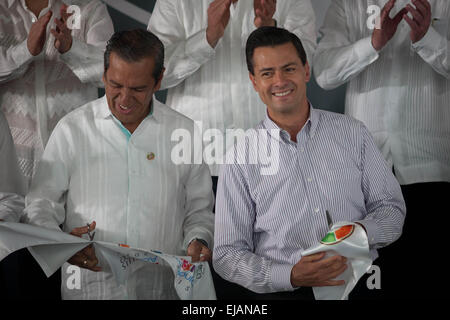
282,94
123,107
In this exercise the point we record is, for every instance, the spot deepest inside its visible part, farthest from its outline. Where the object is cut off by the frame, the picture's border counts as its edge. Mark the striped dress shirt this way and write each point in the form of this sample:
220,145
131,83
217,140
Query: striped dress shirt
265,222
402,93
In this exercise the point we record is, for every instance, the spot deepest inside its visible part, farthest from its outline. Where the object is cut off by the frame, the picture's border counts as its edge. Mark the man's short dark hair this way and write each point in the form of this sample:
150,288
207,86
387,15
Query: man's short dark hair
271,37
134,45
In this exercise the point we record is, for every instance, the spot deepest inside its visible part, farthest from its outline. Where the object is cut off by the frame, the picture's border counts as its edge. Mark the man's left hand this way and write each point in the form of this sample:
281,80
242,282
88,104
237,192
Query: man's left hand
421,19
62,34
264,11
199,252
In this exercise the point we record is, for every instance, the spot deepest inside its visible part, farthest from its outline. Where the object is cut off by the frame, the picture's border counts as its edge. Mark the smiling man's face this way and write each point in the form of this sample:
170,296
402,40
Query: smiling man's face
280,78
129,88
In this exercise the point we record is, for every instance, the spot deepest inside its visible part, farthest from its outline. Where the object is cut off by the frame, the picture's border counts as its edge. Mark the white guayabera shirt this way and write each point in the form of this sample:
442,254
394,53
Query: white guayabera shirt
402,93
92,171
12,184
212,85
35,92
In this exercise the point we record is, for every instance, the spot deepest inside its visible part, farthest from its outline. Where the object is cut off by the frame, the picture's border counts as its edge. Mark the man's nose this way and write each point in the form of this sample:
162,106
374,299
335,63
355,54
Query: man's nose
279,79
125,96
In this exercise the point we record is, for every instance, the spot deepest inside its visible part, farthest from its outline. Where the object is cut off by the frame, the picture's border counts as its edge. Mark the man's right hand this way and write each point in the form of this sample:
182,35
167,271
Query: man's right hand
38,34
314,271
380,37
218,18
85,258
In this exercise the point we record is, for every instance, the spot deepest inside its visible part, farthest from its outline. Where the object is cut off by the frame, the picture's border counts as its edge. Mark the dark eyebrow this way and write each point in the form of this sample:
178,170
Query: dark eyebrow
285,66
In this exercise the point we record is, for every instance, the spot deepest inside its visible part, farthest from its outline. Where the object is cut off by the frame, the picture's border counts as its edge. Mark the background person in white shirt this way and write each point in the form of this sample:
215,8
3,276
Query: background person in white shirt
50,63
398,85
12,192
206,73
109,164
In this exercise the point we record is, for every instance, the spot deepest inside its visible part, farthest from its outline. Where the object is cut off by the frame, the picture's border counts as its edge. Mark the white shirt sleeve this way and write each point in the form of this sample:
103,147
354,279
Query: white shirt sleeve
183,56
45,202
301,20
85,58
12,184
338,60
199,220
14,61
435,50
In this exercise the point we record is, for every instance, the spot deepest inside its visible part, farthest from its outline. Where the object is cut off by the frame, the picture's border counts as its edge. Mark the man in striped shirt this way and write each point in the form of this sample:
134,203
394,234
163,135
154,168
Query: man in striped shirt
326,162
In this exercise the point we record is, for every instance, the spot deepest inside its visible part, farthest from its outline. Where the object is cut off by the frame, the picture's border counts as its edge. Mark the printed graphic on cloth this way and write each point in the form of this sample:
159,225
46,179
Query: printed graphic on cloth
348,240
51,249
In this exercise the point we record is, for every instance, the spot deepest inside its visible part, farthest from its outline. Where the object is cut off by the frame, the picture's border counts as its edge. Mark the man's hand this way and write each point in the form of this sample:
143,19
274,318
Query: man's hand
62,34
38,34
199,252
312,271
264,11
380,37
421,19
218,18
85,258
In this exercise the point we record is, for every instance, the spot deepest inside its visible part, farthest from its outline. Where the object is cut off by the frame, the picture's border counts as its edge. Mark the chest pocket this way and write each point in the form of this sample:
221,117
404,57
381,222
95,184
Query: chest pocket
341,184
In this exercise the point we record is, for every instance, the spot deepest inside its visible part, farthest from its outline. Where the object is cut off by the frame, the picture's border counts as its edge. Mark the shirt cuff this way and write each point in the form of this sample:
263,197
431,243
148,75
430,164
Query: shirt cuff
198,47
429,41
20,54
371,230
365,50
280,277
198,235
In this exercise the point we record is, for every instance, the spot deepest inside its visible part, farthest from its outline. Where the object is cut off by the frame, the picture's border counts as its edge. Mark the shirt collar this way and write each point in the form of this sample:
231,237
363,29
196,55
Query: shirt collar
310,125
10,3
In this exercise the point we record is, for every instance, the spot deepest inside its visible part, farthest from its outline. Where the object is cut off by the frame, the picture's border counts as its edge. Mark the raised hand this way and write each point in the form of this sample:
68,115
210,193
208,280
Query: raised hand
421,21
218,18
38,34
264,11
62,34
380,37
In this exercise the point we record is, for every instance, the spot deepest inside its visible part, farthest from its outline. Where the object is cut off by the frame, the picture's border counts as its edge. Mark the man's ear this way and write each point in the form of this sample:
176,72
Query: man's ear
253,80
307,72
158,84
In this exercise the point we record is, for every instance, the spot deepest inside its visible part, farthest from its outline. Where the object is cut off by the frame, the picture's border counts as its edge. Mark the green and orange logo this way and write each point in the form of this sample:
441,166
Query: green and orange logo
338,235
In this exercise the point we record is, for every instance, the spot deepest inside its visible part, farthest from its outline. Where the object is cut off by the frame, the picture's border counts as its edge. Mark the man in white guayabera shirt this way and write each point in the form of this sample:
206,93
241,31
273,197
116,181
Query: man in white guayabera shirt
51,55
108,164
398,75
12,192
206,73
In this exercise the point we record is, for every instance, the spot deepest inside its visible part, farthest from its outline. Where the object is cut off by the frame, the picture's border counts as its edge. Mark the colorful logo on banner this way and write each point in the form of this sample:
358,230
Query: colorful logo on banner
338,235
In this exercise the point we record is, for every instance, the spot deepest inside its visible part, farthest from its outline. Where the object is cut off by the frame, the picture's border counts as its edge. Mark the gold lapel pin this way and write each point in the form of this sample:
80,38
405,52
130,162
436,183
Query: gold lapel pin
150,156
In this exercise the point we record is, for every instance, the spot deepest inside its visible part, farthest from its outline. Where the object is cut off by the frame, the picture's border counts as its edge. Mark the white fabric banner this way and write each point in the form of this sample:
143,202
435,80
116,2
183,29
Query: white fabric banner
51,249
348,240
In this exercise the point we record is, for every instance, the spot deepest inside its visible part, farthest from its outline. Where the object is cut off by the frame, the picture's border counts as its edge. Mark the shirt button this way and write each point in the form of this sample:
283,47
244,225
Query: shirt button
33,20
309,180
316,210
302,149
